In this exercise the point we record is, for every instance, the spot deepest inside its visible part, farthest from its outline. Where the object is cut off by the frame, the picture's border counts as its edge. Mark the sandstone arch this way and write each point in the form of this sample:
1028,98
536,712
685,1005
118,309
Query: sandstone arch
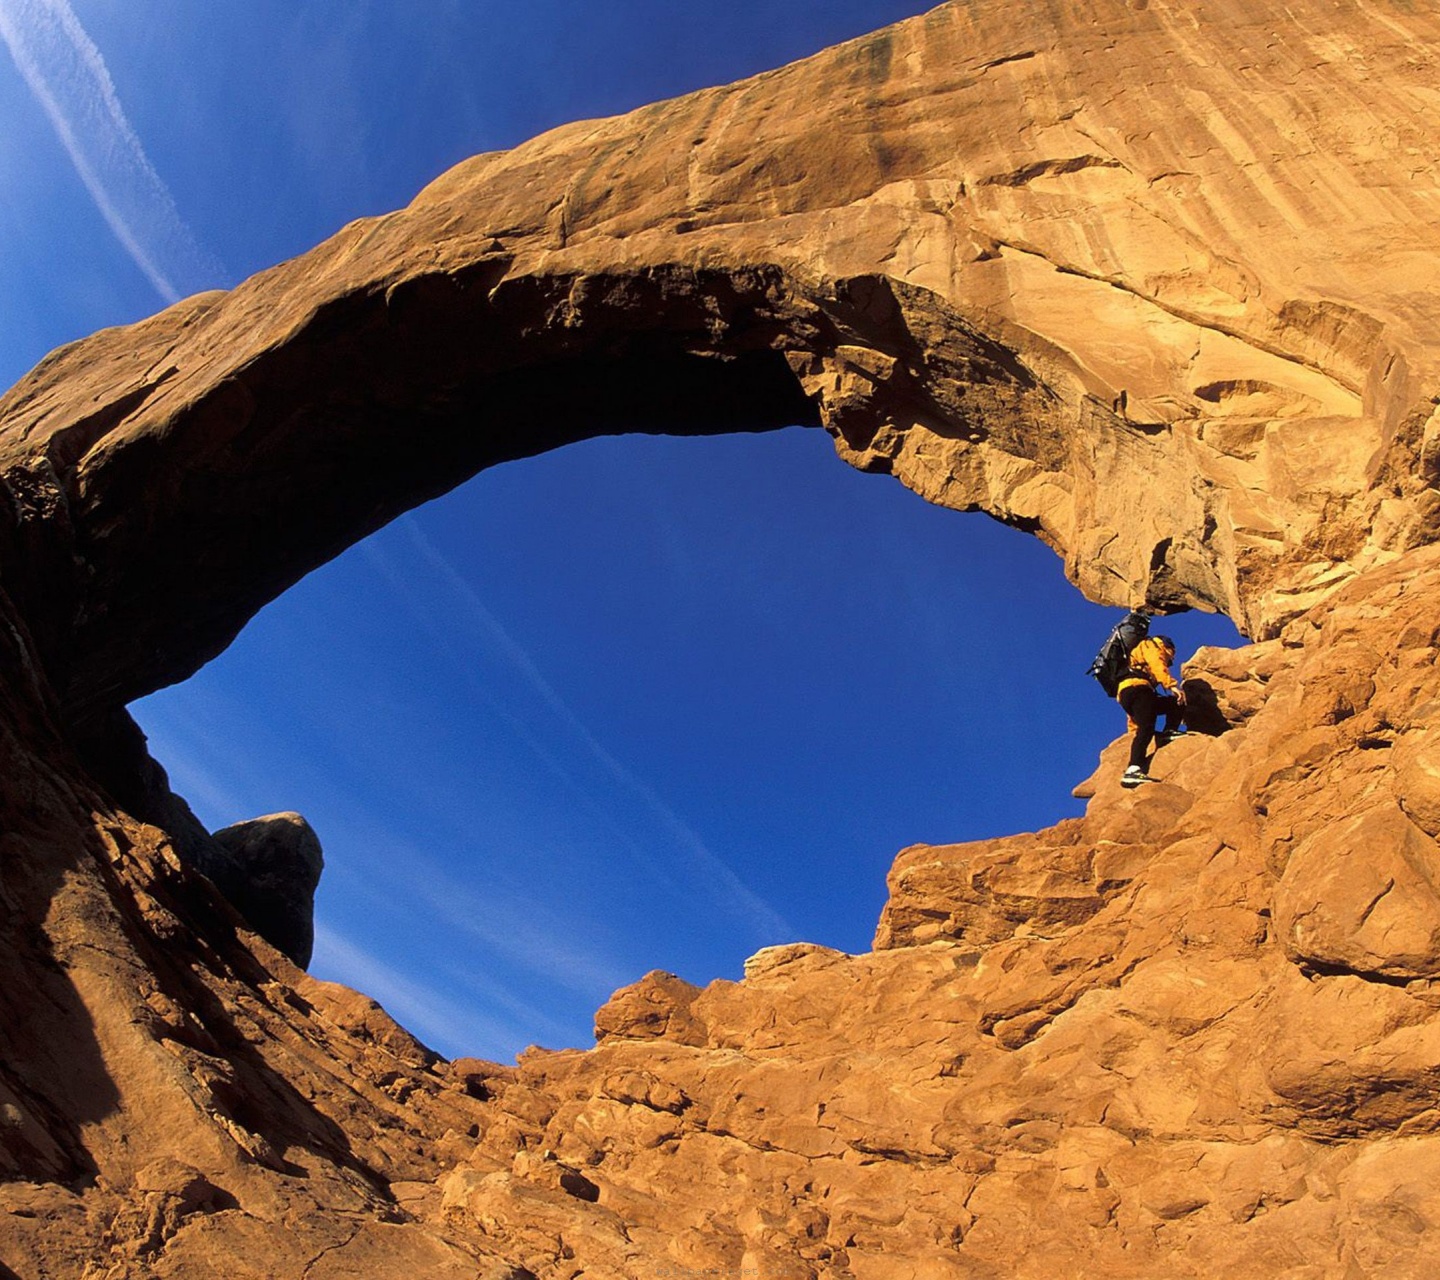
1157,284
987,279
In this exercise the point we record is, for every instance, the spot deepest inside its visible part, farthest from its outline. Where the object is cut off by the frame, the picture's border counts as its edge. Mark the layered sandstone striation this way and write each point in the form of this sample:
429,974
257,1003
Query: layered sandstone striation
1154,281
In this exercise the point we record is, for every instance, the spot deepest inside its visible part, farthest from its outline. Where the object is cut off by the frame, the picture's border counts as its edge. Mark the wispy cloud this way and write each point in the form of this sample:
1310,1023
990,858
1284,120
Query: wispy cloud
514,928
549,946
446,1024
722,885
524,931
194,760
68,76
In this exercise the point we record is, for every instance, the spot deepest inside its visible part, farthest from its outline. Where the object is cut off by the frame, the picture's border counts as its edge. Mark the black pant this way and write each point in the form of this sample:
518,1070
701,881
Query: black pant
1142,704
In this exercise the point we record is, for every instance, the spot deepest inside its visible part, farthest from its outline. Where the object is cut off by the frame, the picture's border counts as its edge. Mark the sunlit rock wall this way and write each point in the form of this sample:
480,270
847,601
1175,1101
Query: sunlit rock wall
1153,280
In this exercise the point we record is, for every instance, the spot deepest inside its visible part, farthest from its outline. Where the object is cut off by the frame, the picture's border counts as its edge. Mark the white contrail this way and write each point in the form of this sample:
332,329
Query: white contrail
68,76
724,886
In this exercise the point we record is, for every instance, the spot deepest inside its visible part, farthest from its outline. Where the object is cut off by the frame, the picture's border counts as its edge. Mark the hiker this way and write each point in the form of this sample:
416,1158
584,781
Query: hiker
1139,693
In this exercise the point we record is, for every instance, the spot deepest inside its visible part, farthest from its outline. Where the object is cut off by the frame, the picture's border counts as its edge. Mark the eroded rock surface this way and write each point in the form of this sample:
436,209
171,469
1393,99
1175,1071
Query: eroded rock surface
1153,280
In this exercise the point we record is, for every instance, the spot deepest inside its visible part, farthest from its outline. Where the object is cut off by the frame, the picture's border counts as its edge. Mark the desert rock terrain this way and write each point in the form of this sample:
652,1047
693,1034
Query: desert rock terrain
1155,281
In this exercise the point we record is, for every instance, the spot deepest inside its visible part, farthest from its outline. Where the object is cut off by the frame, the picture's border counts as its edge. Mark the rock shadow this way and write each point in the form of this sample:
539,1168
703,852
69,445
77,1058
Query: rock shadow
1202,708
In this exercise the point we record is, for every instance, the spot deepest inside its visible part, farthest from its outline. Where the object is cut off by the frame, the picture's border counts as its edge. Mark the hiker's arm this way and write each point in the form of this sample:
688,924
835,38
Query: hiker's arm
1175,687
1154,658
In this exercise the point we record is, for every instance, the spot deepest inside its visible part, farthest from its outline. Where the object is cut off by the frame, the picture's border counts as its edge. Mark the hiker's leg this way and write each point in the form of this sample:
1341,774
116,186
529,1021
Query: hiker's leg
1139,704
1173,712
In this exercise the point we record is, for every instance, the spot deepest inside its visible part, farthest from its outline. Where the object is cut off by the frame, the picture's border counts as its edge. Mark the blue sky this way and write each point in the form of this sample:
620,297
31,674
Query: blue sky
640,703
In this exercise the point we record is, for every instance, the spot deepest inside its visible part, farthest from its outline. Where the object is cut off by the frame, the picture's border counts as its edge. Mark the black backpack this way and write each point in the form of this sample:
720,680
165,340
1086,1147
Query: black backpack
1113,660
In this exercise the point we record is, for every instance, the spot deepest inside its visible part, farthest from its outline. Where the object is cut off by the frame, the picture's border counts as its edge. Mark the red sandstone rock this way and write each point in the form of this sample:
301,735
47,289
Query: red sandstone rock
1033,258
659,1005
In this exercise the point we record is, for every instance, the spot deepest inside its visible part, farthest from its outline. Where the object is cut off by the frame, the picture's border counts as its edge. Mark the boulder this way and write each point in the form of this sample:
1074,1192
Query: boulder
274,869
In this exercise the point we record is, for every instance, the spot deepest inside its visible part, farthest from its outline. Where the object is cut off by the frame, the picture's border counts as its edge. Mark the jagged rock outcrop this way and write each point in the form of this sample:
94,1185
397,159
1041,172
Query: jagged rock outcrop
1153,280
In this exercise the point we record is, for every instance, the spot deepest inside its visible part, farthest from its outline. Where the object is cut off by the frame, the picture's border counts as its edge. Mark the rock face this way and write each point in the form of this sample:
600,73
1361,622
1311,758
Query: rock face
1155,281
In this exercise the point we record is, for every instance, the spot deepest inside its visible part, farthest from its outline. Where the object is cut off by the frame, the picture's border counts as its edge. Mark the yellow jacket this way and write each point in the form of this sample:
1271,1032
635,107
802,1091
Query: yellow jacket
1148,666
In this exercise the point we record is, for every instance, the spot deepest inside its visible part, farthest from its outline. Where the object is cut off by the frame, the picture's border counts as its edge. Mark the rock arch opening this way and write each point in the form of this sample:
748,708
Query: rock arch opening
196,497
640,703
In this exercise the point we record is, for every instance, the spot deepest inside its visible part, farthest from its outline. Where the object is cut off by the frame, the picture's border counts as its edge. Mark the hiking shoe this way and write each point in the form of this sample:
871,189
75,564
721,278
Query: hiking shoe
1133,776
